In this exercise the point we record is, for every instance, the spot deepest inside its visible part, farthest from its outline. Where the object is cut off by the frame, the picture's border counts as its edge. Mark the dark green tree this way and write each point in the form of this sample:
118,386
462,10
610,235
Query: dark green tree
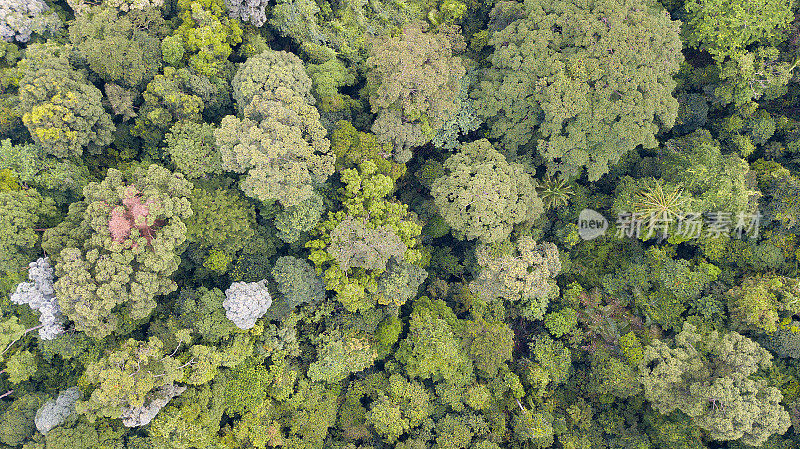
21,214
115,48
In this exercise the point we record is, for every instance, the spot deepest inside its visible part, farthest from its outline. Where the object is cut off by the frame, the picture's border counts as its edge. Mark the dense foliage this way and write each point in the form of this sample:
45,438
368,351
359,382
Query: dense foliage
444,224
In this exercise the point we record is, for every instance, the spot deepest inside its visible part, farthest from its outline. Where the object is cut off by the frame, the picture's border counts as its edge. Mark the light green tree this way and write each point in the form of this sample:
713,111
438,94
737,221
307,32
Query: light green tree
399,282
267,73
190,421
170,97
762,303
724,28
432,350
21,366
707,375
114,46
414,81
522,273
125,378
401,407
339,354
192,148
482,195
63,179
21,212
352,267
294,223
205,38
549,366
488,343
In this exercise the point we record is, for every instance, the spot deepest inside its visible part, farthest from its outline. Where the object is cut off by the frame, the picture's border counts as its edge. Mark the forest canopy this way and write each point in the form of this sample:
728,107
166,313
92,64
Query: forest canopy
418,224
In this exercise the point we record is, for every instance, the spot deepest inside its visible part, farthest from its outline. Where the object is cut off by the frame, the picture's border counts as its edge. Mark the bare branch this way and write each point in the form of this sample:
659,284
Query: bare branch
20,337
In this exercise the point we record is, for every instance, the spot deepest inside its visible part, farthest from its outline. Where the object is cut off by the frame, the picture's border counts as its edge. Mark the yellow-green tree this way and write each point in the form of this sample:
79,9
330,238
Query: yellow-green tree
62,110
483,196
356,242
707,375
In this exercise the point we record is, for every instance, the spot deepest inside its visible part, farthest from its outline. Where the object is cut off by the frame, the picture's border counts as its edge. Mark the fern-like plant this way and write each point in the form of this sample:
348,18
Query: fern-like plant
657,203
554,192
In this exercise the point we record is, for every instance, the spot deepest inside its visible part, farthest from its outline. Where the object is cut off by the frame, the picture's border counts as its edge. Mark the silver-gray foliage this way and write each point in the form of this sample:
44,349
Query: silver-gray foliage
141,416
246,302
55,411
21,18
253,11
40,296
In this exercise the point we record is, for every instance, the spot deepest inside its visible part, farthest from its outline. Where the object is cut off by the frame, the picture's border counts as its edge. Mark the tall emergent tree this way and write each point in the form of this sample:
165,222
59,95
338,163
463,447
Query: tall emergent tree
482,195
118,247
414,83
279,142
707,375
585,81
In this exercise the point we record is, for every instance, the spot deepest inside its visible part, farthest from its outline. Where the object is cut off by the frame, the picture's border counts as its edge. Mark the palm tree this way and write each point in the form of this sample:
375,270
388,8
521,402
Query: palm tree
657,204
554,192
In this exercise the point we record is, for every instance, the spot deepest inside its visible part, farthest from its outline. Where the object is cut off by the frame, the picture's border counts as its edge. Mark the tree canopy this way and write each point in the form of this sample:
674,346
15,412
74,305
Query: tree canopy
417,224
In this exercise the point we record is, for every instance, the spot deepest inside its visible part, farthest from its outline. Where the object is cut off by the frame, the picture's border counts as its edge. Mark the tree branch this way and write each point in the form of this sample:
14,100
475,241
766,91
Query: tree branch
20,337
